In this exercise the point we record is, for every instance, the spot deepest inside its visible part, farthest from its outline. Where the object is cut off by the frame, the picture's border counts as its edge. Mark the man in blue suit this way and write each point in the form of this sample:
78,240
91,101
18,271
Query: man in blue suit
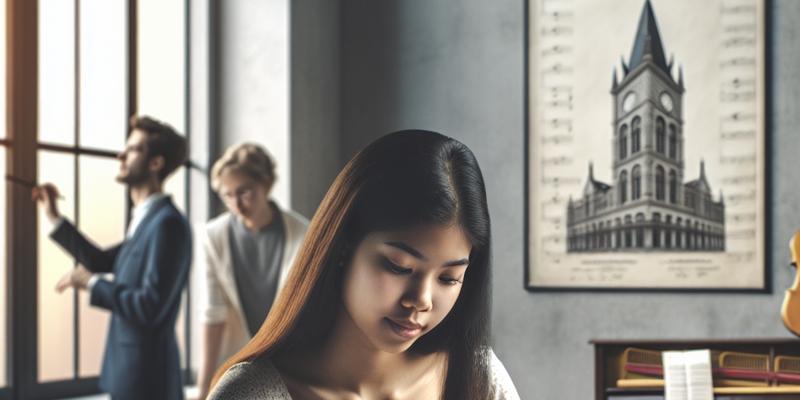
150,267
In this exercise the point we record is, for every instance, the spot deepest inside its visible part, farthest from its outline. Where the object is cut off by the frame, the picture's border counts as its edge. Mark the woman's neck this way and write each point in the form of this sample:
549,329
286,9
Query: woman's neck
349,363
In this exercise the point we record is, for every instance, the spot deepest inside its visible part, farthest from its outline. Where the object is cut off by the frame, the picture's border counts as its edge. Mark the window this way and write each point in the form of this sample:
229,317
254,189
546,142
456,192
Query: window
623,142
659,183
673,187
660,135
623,187
636,135
673,142
636,183
91,74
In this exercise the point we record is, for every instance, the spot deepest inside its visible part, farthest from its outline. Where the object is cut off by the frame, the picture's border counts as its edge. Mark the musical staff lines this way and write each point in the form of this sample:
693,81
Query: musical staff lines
739,121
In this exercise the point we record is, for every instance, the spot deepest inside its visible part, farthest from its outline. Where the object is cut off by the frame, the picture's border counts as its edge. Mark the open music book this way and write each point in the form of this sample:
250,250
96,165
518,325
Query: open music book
687,375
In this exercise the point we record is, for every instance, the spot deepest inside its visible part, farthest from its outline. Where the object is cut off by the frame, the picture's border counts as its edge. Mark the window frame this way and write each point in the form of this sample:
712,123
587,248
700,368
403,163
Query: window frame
22,150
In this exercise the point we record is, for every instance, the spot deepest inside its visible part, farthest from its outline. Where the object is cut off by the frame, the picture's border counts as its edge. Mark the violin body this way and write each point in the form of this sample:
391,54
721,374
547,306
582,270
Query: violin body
790,311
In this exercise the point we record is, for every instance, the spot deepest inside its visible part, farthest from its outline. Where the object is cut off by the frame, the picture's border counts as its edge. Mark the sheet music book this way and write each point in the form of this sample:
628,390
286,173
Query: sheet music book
687,375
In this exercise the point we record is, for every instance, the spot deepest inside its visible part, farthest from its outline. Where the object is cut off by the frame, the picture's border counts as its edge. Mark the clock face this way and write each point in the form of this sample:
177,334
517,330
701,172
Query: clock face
628,101
666,101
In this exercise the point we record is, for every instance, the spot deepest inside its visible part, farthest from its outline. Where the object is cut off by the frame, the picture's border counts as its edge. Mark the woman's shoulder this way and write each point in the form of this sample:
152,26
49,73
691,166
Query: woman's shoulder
257,379
501,382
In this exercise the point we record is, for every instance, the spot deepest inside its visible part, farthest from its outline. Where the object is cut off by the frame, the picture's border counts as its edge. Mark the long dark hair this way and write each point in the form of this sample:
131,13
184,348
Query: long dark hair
402,180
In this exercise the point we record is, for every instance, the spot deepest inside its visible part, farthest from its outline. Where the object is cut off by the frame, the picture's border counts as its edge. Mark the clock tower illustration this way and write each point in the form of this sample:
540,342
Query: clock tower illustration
648,207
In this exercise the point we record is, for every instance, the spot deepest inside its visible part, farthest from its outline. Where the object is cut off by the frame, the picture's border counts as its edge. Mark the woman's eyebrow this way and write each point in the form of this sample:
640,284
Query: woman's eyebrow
408,249
456,263
414,252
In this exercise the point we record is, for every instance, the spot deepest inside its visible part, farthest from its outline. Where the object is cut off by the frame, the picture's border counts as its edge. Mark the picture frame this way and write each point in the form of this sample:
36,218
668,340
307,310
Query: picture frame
649,172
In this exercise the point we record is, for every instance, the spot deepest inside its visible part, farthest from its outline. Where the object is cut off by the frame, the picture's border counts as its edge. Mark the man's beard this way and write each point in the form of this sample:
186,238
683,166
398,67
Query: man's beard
137,174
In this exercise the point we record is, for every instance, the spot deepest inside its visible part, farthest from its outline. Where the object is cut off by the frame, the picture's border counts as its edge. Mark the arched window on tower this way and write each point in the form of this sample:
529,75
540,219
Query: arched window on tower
623,187
660,183
636,183
673,142
623,142
636,135
673,187
660,135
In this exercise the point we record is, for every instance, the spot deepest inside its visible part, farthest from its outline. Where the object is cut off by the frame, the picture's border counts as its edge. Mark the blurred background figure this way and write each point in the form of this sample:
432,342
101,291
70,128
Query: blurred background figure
248,253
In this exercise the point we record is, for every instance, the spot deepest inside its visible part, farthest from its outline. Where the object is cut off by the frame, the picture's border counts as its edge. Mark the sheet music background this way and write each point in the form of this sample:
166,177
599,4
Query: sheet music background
574,45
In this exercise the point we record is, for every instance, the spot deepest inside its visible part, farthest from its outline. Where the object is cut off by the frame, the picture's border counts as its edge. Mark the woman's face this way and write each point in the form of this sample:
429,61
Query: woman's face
400,285
242,195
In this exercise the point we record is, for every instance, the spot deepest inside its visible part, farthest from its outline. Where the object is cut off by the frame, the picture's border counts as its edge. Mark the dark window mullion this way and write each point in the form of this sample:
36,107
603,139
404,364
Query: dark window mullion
132,86
58,148
187,175
21,226
76,340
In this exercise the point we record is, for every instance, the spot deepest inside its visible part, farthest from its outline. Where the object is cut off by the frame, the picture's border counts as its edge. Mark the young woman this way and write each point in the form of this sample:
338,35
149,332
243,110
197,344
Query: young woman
389,296
248,253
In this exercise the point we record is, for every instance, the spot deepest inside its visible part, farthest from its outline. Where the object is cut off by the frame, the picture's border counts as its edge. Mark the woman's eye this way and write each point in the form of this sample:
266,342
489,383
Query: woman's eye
394,268
449,281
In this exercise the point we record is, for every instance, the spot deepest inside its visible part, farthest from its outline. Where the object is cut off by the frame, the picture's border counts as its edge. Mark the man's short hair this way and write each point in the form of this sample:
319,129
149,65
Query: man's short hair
249,159
162,140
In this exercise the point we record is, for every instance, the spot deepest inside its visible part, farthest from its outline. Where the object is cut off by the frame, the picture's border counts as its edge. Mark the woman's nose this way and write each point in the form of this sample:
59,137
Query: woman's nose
419,294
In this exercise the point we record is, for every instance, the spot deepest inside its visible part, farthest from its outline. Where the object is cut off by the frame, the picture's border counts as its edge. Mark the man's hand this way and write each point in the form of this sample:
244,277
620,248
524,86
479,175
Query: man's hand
46,196
77,278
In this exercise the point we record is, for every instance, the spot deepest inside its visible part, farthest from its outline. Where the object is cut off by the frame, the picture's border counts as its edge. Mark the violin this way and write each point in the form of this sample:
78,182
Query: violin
790,311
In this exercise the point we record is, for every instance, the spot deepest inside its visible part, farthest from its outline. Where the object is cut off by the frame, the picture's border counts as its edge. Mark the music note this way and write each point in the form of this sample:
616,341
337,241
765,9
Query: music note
742,217
557,68
736,180
560,160
741,234
739,42
741,9
738,61
740,197
739,159
733,97
738,28
557,15
740,134
556,50
560,180
737,116
556,139
560,123
556,30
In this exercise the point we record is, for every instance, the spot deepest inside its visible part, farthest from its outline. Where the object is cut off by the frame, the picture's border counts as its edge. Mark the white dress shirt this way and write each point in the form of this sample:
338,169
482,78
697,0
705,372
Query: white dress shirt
137,215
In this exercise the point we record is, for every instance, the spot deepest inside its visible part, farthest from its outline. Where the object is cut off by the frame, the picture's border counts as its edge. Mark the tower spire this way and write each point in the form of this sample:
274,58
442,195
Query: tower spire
647,45
613,78
702,169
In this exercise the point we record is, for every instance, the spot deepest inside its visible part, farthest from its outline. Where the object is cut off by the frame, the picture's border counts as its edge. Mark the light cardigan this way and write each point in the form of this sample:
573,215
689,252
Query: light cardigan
221,301
259,380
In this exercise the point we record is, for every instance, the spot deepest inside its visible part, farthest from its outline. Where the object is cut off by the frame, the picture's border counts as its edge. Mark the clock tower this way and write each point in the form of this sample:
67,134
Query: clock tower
648,123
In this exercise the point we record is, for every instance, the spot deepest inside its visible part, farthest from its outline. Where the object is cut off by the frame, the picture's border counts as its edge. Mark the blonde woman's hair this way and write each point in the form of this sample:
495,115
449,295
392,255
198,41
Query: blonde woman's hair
249,159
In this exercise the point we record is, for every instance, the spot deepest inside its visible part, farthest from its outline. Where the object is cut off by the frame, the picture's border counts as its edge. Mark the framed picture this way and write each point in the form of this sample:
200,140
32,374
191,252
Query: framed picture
645,145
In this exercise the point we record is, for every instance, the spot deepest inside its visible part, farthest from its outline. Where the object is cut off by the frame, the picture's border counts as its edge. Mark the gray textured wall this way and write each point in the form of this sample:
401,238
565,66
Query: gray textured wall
253,94
457,67
314,100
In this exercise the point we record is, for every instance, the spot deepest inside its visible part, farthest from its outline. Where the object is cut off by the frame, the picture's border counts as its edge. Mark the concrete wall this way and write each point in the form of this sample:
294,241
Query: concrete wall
457,67
253,81
314,101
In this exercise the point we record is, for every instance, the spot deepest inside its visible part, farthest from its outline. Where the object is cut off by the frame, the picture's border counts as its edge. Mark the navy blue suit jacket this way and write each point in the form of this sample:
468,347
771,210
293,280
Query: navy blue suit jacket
150,271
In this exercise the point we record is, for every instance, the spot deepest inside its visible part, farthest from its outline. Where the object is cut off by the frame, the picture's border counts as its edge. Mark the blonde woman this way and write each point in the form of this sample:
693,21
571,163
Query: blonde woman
248,252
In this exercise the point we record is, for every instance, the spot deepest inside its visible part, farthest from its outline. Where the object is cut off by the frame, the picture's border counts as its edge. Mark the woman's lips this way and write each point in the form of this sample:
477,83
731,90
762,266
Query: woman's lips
404,329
